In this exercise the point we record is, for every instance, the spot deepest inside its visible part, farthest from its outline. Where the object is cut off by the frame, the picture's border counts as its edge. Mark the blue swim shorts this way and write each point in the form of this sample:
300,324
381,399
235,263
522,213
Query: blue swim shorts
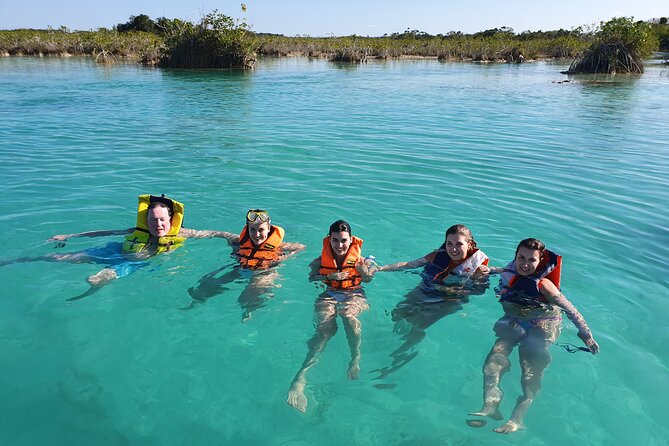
112,256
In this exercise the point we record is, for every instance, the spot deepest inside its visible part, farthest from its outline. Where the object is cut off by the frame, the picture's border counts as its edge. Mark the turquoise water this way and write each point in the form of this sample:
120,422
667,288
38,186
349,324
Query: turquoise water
402,150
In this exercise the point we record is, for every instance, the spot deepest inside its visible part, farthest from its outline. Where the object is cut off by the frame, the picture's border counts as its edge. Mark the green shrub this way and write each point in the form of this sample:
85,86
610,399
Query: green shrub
218,41
619,47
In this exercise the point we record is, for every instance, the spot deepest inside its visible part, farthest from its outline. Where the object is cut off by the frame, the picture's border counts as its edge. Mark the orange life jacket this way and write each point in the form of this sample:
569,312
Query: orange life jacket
263,256
329,265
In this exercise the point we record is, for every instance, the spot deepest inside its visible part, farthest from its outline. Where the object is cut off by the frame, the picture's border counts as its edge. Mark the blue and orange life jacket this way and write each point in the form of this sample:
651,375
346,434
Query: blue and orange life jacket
526,290
263,256
329,264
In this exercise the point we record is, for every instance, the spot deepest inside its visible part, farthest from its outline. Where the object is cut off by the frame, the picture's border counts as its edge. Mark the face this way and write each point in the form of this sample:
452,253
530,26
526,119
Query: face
457,246
258,232
158,221
527,260
340,242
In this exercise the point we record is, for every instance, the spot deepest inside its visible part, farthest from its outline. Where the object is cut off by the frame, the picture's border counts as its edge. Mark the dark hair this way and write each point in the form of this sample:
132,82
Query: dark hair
463,231
533,244
162,201
160,204
340,226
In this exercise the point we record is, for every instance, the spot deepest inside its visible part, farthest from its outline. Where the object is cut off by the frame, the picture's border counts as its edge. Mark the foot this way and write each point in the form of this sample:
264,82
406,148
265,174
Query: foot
246,316
102,277
488,411
508,427
296,396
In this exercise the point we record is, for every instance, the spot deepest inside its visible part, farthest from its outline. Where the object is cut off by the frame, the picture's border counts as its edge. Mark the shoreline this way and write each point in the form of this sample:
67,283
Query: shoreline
137,58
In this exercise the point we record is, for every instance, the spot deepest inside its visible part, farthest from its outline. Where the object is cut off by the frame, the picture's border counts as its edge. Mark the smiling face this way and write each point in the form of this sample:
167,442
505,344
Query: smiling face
340,242
527,260
258,232
457,246
159,221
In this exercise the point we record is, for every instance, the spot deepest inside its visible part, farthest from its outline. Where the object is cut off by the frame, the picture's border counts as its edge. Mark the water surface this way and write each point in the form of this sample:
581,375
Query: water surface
402,150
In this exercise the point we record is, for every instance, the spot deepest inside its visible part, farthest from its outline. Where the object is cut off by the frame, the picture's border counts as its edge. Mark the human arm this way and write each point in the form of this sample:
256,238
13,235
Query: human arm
555,297
315,273
481,272
205,233
366,269
103,233
289,249
404,265
314,270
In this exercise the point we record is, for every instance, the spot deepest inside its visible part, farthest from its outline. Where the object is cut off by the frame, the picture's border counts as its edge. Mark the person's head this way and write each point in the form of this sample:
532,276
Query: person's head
529,254
258,224
459,242
159,218
340,237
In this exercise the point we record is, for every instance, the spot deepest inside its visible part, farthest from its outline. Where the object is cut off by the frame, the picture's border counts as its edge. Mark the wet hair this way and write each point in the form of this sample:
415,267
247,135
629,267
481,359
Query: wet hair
463,231
160,204
532,243
340,226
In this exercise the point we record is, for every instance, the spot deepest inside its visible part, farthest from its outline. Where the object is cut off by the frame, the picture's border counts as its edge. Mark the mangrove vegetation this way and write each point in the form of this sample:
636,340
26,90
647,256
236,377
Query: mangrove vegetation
619,46
221,41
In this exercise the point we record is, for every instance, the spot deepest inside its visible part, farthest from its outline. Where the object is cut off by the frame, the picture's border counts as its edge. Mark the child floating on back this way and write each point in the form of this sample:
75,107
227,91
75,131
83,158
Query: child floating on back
531,299
455,270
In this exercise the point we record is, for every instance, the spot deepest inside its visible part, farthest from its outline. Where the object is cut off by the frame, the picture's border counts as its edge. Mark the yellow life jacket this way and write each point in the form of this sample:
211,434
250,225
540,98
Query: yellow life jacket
263,256
329,264
139,240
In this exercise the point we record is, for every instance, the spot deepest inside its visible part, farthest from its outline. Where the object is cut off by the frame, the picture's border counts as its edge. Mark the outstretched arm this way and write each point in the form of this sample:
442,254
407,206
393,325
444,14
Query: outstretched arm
104,233
556,297
290,249
195,233
404,265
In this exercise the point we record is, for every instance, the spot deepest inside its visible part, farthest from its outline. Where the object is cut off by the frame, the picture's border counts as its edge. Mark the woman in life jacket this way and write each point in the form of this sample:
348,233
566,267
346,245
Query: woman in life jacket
531,299
451,273
342,269
257,249
158,229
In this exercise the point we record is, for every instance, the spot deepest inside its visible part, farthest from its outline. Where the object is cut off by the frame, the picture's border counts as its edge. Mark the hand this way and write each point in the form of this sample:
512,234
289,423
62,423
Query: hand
366,268
483,269
339,275
592,345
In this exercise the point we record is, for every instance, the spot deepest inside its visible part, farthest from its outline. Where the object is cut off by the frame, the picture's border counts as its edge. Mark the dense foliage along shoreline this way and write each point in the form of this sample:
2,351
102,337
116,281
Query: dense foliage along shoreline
220,41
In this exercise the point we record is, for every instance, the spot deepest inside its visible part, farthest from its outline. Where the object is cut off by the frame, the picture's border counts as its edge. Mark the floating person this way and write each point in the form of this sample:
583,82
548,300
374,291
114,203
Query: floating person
342,269
531,298
451,273
158,229
258,249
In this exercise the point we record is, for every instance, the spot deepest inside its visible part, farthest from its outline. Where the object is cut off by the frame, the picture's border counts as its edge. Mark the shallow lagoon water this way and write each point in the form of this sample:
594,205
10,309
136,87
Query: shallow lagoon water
400,149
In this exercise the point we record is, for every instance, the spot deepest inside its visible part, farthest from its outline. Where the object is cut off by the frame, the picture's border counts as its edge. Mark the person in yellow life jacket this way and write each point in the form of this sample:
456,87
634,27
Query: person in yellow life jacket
449,275
158,229
342,269
257,249
532,302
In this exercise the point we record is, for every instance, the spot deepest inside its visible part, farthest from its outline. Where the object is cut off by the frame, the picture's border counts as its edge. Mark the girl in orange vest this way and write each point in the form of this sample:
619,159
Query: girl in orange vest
258,248
531,298
457,269
342,269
